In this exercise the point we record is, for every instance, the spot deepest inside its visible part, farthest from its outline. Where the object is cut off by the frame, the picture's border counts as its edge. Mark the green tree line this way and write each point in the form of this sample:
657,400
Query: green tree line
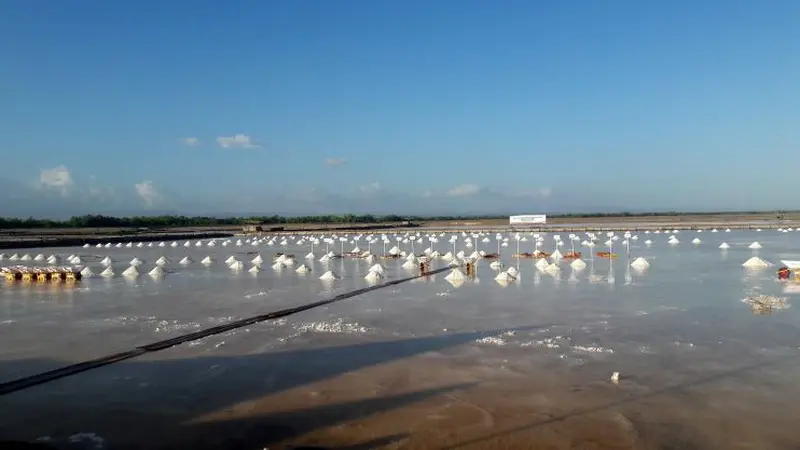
100,221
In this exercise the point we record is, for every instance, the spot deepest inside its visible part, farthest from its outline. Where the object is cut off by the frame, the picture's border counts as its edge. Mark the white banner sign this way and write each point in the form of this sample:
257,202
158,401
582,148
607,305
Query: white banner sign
527,219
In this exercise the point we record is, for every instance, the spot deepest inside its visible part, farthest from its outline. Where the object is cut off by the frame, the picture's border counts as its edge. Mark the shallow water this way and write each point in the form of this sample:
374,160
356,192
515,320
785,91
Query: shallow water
422,364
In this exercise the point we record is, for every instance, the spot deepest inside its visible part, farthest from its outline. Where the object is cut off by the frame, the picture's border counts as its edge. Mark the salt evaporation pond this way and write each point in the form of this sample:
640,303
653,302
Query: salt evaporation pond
424,363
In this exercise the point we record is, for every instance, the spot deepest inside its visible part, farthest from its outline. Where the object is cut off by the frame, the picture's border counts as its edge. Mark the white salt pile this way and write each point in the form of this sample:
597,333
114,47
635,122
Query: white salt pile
556,255
754,246
130,272
86,245
455,275
162,261
648,242
673,241
207,261
696,241
303,269
108,273
231,259
513,272
496,265
504,276
86,272
185,261
410,265
640,263
157,272
756,262
136,261
236,265
578,264
328,276
542,264
311,255
377,268
39,257
257,260
724,246
255,269
278,265
373,277
76,260
553,269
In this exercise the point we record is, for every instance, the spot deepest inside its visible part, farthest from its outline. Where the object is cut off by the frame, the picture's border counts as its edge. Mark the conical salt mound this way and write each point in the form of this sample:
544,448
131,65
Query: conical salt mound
140,245
513,272
755,245
756,262
157,272
288,261
640,263
136,261
556,255
410,265
130,272
86,272
303,269
174,244
373,278
578,264
207,261
255,269
25,257
455,275
329,275
52,260
673,241
257,260
496,265
186,260
724,246
377,268
76,260
696,241
13,257
39,257
542,264
236,265
553,269
162,261
448,256
411,257
231,259
108,273
325,258
278,265
504,276
394,250
86,245
311,255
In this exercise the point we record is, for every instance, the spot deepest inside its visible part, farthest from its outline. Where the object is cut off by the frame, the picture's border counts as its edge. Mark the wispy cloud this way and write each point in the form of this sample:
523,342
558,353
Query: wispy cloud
370,188
147,192
237,141
57,178
334,161
190,141
545,192
464,190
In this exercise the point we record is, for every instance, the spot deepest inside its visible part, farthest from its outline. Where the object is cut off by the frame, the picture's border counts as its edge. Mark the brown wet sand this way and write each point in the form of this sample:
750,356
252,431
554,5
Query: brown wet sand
449,400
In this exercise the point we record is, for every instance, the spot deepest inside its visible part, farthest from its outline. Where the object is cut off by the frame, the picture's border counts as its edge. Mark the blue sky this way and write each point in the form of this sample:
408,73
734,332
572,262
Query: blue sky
450,106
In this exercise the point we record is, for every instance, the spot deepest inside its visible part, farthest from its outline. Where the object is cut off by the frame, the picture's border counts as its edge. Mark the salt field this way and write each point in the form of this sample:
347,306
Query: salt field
670,351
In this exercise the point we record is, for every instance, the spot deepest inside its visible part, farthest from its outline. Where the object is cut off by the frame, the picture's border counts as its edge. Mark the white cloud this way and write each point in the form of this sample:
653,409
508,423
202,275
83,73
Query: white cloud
57,178
147,192
464,190
237,141
190,141
370,188
334,161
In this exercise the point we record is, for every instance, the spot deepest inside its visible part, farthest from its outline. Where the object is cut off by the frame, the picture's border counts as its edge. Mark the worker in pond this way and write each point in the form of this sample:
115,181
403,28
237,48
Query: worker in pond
784,273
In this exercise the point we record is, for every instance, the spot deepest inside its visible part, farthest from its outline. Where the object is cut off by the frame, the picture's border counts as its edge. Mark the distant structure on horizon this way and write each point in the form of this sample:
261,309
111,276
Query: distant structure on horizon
527,219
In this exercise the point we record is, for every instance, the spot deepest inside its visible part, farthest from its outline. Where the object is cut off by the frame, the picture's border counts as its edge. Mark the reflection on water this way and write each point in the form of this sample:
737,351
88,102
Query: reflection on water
694,361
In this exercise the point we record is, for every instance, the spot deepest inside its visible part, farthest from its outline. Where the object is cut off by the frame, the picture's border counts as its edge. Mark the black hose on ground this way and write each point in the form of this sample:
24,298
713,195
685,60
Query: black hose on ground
73,369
